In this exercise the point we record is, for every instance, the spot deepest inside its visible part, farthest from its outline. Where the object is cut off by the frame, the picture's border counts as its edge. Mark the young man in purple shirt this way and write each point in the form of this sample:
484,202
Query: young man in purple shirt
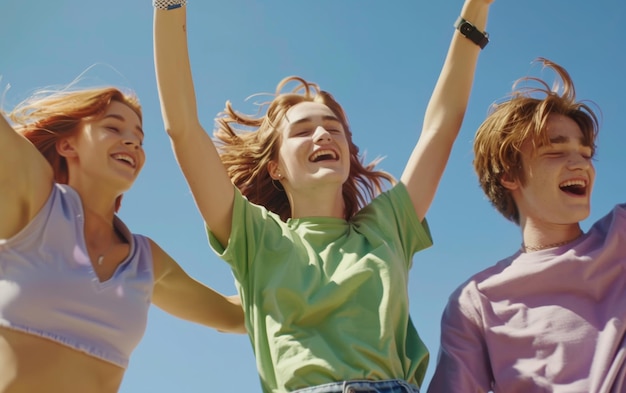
552,316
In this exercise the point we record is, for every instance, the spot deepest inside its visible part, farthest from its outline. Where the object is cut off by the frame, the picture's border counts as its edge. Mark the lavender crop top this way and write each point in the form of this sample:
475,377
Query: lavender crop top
48,286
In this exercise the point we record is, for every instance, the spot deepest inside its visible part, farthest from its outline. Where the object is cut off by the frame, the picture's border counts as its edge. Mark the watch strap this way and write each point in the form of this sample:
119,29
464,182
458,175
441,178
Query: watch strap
471,32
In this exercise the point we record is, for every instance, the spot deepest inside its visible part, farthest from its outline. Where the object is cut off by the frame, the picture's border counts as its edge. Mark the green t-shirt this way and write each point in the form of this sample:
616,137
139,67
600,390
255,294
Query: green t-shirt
326,299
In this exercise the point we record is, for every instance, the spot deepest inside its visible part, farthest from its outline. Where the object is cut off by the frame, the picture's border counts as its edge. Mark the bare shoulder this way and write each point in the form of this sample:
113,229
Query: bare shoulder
162,262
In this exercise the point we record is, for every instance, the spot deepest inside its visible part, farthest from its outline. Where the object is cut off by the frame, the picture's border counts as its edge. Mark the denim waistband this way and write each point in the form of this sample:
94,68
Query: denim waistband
363,386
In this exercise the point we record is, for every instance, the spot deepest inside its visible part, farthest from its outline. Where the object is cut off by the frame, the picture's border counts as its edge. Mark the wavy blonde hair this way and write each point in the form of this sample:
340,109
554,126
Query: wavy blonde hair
521,117
49,116
247,143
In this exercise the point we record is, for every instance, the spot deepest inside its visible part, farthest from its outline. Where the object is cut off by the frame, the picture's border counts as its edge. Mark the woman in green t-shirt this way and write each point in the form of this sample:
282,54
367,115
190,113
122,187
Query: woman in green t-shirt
320,251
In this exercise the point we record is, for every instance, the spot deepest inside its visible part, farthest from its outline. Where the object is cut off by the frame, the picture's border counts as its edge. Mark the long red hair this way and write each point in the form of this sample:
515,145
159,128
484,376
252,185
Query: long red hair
47,117
248,143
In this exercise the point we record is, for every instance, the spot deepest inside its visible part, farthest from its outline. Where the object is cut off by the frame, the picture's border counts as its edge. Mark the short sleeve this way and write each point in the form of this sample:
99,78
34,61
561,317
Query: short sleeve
463,360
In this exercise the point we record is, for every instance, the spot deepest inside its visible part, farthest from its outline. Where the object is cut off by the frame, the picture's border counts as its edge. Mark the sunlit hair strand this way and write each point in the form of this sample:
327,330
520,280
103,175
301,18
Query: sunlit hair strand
247,143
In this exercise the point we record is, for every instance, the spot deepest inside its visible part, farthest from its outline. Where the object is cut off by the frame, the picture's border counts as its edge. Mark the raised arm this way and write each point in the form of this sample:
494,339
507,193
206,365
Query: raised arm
196,154
25,180
182,296
445,112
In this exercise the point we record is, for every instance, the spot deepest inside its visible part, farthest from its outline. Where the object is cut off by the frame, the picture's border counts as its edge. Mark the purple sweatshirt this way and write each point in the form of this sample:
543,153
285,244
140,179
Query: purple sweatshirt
547,321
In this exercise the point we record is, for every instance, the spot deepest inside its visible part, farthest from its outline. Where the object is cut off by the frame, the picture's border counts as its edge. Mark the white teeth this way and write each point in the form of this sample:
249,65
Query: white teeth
125,157
571,183
320,153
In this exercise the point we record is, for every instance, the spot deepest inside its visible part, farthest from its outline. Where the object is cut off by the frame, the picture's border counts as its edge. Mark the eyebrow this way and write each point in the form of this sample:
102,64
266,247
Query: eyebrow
560,139
121,118
308,120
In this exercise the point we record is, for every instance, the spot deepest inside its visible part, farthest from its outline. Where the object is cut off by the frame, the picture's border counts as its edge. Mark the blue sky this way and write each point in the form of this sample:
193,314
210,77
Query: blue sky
380,60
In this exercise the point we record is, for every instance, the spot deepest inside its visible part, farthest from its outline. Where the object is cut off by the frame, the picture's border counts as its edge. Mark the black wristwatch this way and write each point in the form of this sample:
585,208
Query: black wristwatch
471,32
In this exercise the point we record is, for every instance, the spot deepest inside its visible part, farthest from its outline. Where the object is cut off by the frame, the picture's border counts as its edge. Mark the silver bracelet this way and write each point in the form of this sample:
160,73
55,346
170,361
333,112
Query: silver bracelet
168,4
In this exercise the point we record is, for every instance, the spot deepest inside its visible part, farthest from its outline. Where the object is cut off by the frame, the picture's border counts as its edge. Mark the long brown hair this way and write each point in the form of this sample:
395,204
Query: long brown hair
247,143
49,116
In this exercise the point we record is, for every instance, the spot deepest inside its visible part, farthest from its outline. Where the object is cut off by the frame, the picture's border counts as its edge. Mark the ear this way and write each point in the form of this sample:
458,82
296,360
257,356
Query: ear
272,168
507,182
65,148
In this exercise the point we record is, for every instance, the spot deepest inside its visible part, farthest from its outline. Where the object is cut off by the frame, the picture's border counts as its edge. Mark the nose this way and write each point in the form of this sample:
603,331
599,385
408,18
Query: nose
578,161
132,144
132,141
321,135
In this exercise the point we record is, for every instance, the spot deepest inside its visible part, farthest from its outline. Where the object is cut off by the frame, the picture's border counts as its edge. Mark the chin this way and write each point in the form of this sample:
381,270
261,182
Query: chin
580,215
125,185
334,175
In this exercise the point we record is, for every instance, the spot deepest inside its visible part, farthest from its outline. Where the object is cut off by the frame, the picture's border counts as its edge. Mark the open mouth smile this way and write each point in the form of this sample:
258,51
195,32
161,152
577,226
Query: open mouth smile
324,155
126,158
575,187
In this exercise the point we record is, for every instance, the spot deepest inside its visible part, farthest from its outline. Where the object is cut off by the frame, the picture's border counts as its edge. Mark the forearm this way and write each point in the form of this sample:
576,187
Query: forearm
450,96
196,154
184,297
173,71
192,301
444,113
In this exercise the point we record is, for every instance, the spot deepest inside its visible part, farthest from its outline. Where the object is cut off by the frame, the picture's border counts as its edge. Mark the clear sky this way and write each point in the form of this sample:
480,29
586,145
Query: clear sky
380,59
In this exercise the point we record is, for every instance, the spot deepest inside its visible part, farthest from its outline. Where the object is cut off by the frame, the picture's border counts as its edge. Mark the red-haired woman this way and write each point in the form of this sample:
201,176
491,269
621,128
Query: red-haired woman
75,283
320,251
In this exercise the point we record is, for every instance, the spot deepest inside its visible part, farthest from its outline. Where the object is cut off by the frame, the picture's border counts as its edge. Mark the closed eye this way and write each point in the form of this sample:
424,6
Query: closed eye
334,127
587,153
302,133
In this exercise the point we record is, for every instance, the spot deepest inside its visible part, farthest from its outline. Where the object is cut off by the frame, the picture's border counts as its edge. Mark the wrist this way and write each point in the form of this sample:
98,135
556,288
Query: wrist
167,5
476,11
471,32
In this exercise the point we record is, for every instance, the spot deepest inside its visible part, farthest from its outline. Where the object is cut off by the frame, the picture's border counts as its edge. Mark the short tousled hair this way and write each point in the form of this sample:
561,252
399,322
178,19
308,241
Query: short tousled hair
522,117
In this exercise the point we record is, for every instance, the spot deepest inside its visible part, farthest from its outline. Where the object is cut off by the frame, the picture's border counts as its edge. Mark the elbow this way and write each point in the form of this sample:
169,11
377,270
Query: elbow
178,111
173,132
239,323
237,326
240,329
236,319
177,128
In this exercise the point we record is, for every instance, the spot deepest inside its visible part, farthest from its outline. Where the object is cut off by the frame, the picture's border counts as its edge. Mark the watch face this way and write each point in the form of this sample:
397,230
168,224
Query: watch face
466,28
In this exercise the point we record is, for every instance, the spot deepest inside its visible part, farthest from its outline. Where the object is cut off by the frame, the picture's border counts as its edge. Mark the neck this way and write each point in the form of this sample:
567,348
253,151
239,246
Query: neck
537,238
97,194
99,214
101,236
317,203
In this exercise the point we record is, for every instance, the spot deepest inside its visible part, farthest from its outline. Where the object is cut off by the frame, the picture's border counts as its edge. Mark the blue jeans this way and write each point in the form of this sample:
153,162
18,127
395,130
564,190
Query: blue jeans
361,386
